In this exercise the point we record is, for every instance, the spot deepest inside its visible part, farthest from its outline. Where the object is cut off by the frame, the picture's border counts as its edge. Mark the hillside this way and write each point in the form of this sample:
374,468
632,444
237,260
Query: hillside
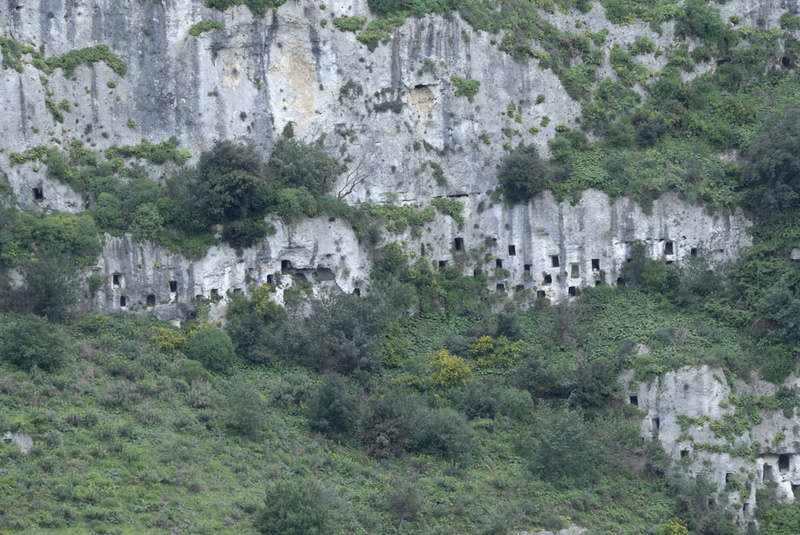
438,267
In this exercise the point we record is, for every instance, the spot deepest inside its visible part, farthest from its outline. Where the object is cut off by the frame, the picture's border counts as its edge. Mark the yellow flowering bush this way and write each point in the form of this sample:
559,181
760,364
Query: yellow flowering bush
448,369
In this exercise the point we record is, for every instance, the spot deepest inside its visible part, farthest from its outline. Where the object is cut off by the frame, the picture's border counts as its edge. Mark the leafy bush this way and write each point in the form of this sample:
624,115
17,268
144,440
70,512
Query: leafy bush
536,375
783,520
396,422
121,393
297,164
334,410
377,31
147,223
245,410
342,334
497,352
30,341
451,207
257,7
349,24
229,184
294,507
395,346
245,233
570,451
403,500
51,286
449,370
523,174
771,171
465,87
780,362
213,348
481,399
70,61
693,507
249,335
205,26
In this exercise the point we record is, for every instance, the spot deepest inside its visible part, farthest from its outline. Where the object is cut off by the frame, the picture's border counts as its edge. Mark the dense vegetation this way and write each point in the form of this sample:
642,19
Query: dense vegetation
469,415
457,419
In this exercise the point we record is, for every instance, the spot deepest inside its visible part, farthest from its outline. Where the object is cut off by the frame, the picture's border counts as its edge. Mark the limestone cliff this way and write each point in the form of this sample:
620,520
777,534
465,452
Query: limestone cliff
391,112
707,423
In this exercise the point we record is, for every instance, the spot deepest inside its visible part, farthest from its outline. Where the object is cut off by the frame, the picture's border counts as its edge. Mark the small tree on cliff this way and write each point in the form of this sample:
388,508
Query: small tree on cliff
523,173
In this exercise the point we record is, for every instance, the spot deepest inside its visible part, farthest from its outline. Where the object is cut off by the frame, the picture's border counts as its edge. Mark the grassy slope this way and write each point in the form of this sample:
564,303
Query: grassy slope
130,440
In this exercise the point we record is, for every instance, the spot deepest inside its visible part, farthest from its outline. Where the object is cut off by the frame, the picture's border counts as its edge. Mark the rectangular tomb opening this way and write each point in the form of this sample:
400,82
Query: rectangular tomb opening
783,462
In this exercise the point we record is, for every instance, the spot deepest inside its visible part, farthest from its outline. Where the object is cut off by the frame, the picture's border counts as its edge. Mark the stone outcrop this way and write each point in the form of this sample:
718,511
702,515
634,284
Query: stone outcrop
683,409
543,249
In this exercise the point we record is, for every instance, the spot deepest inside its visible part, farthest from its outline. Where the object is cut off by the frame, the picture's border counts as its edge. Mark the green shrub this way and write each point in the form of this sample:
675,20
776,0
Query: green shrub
481,399
349,24
121,393
205,26
465,87
147,223
30,341
449,370
523,174
94,283
568,450
450,207
771,171
297,164
213,348
497,352
334,410
245,410
257,7
294,507
790,21
69,61
377,31
249,335
228,184
342,334
641,45
403,500
780,362
245,232
51,285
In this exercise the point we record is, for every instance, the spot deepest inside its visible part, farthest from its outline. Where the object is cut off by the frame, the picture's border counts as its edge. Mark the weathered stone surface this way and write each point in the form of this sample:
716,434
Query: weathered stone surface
768,451
248,80
20,440
590,239
153,281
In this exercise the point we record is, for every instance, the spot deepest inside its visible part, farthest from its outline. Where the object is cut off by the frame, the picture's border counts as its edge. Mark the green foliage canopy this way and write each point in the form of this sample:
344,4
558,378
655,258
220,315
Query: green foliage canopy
523,174
32,341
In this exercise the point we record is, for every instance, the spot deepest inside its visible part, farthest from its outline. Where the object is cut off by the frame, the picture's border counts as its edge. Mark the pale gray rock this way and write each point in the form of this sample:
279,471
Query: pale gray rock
21,440
766,452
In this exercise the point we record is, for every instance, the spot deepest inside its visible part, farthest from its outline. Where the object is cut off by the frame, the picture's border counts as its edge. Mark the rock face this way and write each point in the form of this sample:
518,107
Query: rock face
20,440
542,249
393,112
692,412
140,277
